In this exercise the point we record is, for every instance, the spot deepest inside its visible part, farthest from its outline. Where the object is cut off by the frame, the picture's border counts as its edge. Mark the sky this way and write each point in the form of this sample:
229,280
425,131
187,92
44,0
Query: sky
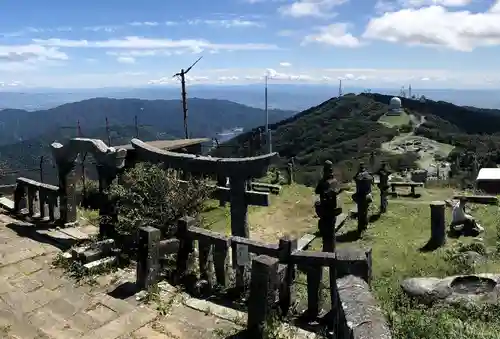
366,43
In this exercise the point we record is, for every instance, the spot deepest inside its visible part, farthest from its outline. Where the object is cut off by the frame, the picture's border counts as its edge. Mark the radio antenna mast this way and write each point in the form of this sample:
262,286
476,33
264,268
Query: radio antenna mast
182,76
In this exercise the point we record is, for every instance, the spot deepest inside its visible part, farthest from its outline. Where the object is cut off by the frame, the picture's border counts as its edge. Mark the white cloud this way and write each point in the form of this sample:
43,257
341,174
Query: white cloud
285,64
193,45
334,35
364,77
436,26
383,6
10,84
30,53
227,23
496,7
444,3
144,23
108,29
311,8
125,60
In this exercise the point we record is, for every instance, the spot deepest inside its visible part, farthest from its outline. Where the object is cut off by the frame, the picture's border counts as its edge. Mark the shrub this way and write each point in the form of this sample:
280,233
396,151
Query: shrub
89,193
147,195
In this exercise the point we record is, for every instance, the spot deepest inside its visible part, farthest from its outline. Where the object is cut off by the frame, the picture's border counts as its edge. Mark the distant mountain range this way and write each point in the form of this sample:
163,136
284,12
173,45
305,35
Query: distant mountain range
281,96
25,136
163,118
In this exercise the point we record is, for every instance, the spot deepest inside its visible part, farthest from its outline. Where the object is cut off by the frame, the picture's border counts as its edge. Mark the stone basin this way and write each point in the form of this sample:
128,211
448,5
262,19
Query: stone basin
472,284
477,288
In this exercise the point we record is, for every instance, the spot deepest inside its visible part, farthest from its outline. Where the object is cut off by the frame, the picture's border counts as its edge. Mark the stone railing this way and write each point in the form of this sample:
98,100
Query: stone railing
41,200
273,268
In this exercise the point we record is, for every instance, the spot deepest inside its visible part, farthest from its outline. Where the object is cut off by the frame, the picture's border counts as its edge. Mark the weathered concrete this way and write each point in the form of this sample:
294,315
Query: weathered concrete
364,319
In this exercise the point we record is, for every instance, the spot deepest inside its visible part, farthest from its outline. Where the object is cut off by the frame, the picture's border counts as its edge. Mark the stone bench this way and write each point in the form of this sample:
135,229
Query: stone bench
478,199
411,184
273,189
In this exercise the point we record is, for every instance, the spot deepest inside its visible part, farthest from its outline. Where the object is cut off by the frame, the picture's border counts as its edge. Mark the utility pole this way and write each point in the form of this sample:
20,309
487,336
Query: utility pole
136,125
108,132
268,132
182,75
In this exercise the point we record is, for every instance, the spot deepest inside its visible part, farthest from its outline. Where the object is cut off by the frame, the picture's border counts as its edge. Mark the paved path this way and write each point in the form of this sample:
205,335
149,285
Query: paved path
38,302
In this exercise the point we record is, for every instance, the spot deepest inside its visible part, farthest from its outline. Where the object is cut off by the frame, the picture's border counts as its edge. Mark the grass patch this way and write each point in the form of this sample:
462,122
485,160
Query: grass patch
395,240
395,120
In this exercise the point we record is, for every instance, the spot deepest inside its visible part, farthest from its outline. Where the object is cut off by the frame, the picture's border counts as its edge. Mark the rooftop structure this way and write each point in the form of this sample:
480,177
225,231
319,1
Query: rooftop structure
488,180
395,106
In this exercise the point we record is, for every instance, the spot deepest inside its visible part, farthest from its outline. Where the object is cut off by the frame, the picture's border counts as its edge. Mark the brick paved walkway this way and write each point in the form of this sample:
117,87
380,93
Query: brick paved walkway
38,302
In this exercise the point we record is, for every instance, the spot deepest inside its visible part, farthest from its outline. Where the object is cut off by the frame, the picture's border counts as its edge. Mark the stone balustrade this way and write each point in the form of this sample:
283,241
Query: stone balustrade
272,275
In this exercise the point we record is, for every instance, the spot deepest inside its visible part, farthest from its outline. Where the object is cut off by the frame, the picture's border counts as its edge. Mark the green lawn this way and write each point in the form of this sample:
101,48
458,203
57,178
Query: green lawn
395,240
395,120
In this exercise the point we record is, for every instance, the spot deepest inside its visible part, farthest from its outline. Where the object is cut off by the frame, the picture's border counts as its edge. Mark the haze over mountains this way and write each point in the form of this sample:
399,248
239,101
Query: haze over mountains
281,96
207,117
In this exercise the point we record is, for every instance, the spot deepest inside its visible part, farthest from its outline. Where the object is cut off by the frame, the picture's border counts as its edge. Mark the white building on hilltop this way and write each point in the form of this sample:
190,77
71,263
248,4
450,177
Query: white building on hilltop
395,106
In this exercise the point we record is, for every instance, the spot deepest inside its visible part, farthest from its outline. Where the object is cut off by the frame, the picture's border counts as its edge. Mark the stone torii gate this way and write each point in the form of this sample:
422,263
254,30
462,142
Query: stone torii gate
109,162
238,170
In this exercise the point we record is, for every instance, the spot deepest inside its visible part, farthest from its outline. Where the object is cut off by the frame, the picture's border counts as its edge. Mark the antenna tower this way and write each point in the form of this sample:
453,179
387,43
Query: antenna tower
340,88
268,132
137,126
108,132
182,76
402,92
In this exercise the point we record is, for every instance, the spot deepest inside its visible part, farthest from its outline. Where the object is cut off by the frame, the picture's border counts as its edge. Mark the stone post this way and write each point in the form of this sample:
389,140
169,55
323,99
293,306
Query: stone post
221,182
67,183
290,173
148,257
186,246
287,292
262,294
108,215
384,192
239,221
438,227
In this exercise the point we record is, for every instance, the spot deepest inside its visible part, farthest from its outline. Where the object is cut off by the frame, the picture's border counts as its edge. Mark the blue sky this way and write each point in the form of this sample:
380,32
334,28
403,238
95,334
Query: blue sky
367,43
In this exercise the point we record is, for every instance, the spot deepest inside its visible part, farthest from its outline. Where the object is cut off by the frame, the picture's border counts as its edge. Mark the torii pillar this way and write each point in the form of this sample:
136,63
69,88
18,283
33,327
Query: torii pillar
238,170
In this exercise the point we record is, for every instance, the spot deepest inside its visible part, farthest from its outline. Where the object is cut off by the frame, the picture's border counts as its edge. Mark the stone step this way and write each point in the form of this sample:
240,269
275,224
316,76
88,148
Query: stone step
7,204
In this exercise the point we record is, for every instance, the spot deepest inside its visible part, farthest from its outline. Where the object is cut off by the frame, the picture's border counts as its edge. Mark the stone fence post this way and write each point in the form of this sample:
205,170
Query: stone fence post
438,227
262,294
148,257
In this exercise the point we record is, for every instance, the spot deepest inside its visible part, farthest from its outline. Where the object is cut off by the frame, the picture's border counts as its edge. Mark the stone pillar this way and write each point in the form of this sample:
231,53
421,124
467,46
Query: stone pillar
290,173
363,205
221,182
438,227
287,246
384,192
67,183
239,220
262,294
108,214
148,257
